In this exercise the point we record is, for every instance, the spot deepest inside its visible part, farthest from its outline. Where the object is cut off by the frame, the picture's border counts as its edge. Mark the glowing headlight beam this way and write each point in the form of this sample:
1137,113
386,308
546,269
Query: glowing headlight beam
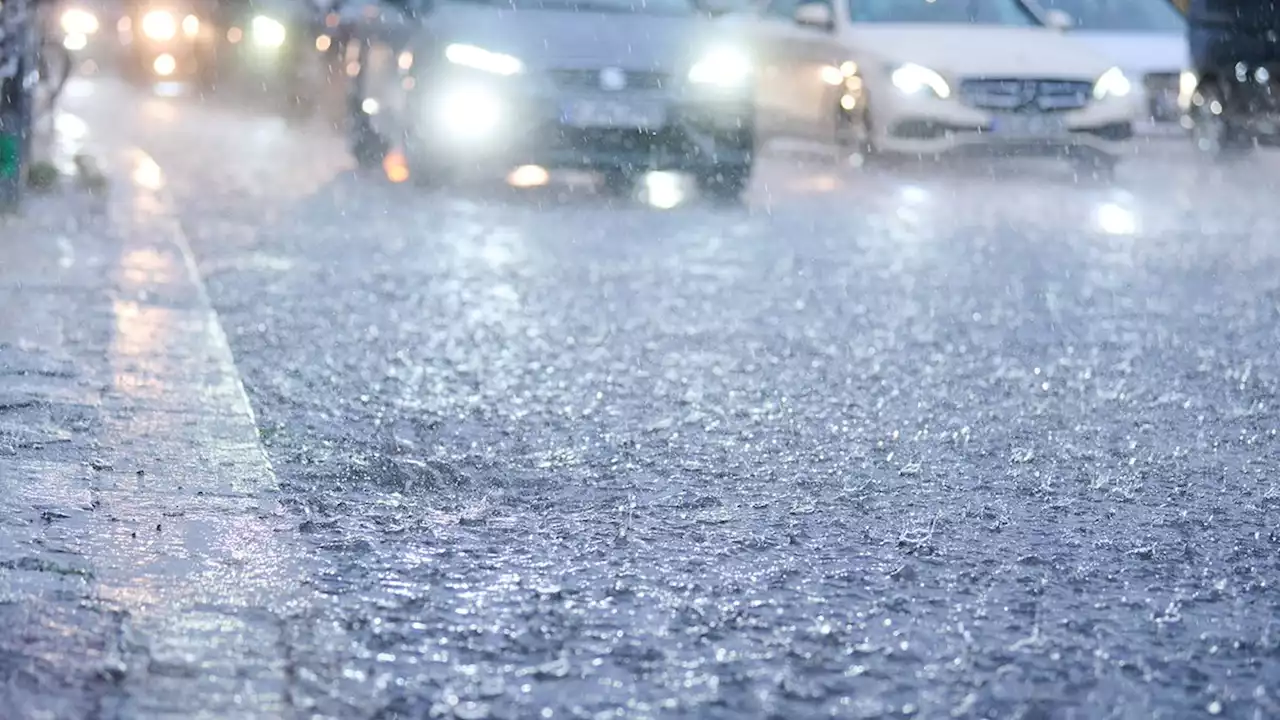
79,22
478,58
268,32
1112,83
165,65
469,113
911,78
723,67
159,25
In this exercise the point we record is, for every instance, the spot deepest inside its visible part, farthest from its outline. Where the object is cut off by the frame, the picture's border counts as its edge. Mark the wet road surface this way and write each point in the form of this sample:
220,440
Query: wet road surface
934,442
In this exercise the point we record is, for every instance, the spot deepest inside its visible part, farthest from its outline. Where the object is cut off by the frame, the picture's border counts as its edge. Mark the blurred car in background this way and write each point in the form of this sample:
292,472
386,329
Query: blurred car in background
86,31
927,77
1232,94
167,41
342,20
614,86
267,48
79,24
1146,38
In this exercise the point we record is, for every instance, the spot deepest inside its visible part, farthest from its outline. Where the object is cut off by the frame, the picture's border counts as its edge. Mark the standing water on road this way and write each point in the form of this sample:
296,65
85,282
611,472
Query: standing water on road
624,360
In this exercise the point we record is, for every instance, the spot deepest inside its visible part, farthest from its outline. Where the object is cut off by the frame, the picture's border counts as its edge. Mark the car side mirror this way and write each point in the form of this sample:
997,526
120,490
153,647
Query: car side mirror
1059,19
814,14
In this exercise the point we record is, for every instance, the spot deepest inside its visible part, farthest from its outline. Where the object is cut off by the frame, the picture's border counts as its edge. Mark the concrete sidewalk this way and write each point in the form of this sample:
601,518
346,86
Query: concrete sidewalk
146,569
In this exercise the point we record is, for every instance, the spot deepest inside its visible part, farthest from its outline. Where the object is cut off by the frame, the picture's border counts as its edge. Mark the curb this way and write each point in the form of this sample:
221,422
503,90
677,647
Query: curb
147,568
221,557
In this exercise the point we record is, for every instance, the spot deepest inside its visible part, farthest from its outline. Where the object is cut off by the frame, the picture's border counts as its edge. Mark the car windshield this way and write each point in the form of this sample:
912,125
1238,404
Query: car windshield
957,12
1120,15
1240,13
642,7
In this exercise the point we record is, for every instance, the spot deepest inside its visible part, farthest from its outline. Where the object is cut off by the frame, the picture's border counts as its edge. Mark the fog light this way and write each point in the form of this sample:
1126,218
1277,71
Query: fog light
164,65
470,112
527,176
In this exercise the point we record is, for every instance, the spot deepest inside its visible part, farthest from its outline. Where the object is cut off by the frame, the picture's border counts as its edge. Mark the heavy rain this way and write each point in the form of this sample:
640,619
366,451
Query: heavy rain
536,359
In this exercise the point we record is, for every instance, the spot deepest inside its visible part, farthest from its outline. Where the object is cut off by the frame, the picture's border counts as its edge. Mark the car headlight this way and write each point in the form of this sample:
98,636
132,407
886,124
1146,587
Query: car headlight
1188,81
469,112
477,58
724,68
1112,83
159,25
79,22
268,32
911,79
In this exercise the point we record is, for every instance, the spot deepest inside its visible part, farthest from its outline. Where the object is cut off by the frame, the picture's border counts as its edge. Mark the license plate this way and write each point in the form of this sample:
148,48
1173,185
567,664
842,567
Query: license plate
1030,125
1164,106
609,113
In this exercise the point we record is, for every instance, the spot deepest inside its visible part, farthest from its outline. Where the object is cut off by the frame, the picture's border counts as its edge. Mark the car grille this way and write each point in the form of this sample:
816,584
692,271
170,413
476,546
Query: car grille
589,79
1162,96
1022,95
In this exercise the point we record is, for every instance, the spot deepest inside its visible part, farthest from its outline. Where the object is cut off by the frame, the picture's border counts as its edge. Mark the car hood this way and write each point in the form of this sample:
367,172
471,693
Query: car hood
1141,53
579,39
961,51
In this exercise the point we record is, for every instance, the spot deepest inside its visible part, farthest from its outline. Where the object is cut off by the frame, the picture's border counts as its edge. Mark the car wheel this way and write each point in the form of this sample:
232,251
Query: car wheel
725,182
854,141
426,170
367,147
1211,134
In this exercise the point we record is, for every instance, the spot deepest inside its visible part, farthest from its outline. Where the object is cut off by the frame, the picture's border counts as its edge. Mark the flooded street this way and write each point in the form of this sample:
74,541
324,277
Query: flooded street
969,440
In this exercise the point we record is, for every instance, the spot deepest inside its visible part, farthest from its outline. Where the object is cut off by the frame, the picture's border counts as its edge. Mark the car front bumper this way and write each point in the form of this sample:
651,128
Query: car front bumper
932,126
1156,97
460,118
189,59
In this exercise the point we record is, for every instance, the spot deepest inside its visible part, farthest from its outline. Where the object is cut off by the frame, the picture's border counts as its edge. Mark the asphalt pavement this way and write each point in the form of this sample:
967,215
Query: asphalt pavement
972,441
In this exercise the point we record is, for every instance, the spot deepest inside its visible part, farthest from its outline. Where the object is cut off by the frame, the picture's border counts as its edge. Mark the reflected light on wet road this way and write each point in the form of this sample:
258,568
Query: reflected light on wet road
147,174
69,138
911,201
1115,219
819,183
159,110
78,88
168,89
913,194
70,127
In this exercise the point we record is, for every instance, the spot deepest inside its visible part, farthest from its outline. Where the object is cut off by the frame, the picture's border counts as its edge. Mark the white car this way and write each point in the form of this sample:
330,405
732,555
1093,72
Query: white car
928,77
1147,38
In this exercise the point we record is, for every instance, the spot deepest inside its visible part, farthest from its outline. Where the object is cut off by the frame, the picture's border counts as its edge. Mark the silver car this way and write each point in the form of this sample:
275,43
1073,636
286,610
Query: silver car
617,86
